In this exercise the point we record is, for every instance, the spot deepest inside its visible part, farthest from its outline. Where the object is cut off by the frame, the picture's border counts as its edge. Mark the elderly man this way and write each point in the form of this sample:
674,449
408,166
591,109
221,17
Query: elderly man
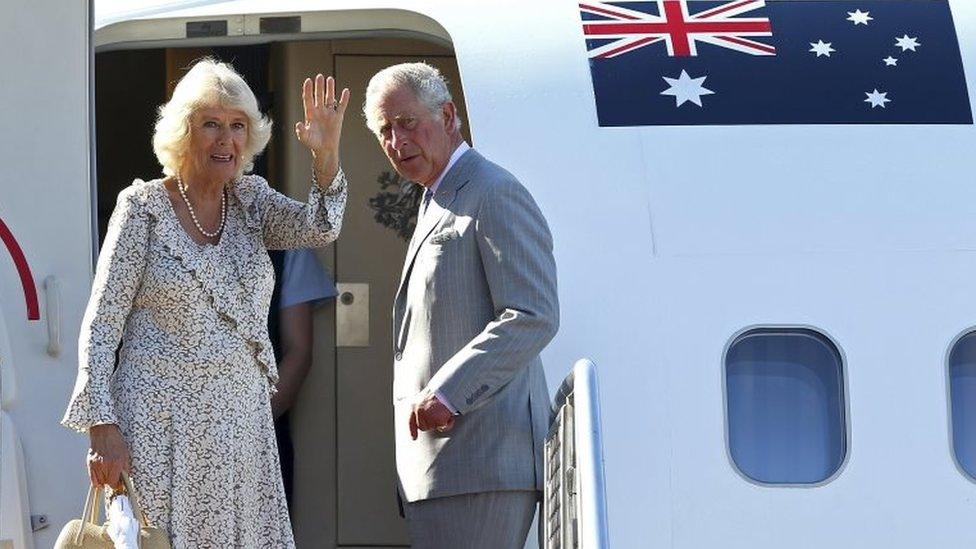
475,307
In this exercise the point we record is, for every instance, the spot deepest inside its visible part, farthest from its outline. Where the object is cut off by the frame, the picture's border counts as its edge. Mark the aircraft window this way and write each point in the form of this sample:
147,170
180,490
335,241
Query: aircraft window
786,416
962,394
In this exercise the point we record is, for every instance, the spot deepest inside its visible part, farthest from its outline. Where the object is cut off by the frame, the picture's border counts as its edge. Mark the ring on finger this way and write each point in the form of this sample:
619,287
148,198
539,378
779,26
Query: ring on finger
334,105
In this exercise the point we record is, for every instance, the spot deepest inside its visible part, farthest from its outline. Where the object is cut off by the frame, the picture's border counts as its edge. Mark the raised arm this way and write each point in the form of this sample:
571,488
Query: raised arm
289,224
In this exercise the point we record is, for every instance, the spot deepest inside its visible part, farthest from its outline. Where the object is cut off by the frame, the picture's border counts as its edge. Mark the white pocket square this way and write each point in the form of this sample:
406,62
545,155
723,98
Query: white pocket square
444,236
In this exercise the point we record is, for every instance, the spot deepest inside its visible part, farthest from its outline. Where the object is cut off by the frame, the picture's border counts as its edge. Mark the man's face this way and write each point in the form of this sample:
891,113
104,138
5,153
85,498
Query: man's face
417,142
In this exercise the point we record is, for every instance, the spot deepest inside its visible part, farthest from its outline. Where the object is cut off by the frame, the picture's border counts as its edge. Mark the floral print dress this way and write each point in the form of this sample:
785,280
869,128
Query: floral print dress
191,391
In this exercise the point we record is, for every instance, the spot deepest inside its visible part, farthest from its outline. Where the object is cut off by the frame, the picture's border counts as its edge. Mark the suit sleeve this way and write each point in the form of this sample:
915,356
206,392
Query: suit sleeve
516,253
118,276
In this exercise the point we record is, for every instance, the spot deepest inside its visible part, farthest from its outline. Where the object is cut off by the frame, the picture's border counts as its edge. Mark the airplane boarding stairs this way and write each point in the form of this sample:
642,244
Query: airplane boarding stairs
574,508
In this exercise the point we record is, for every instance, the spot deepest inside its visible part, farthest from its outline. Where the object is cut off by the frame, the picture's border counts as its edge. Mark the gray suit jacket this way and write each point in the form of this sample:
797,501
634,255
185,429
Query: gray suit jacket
476,305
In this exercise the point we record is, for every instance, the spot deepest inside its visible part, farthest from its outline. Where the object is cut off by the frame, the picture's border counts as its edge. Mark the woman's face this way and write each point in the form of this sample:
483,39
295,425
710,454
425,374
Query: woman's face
218,137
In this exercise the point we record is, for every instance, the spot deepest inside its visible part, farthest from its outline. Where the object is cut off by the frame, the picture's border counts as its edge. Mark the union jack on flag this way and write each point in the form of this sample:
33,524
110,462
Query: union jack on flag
677,26
732,62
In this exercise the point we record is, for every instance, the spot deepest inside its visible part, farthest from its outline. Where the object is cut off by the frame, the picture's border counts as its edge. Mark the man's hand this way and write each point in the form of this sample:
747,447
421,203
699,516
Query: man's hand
430,413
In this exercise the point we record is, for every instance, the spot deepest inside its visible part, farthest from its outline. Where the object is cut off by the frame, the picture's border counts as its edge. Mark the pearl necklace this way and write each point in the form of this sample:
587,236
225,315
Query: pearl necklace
193,215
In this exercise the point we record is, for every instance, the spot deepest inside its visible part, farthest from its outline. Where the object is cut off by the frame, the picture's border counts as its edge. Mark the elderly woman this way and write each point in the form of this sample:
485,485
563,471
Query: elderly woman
184,283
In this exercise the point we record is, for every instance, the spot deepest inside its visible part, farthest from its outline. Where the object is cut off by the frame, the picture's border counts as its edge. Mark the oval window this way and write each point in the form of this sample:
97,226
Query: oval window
962,396
786,407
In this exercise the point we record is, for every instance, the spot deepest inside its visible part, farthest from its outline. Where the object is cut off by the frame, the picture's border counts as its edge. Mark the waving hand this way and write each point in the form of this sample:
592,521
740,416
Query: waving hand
322,127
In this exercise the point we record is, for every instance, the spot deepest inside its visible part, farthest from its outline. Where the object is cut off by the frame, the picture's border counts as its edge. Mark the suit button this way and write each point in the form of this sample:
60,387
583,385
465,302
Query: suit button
398,355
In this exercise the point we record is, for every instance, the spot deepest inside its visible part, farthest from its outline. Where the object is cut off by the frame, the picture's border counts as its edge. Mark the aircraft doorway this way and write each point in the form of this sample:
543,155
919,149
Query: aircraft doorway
344,477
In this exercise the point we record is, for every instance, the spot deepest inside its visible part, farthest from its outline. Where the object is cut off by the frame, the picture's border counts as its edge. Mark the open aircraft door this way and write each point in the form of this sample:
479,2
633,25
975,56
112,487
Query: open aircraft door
45,260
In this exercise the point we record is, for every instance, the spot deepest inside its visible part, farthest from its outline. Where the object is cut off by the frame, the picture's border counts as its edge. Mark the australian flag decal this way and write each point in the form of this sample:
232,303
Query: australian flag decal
702,62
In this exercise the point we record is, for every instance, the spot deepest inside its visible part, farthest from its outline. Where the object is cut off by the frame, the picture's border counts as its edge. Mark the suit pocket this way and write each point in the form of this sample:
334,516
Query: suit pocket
444,236
431,249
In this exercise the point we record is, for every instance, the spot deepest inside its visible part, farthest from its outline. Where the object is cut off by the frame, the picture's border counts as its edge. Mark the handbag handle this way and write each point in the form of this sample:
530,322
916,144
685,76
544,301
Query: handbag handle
88,514
91,512
134,500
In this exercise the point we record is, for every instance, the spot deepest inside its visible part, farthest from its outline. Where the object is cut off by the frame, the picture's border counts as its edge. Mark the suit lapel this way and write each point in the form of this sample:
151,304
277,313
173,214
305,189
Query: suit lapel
438,208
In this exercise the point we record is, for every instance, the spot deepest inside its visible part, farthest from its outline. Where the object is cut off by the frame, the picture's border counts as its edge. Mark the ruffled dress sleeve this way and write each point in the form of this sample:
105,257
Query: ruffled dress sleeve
118,275
287,223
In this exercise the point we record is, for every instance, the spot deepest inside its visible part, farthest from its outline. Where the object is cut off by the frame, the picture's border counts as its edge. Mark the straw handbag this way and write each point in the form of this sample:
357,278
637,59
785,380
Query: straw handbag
86,533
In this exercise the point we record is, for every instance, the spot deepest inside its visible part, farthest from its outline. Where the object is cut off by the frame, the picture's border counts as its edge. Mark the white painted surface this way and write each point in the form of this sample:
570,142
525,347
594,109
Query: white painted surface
44,200
15,515
667,245
15,523
8,372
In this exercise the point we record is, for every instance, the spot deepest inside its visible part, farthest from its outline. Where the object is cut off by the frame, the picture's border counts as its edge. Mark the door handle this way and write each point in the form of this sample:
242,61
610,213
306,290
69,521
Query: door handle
52,292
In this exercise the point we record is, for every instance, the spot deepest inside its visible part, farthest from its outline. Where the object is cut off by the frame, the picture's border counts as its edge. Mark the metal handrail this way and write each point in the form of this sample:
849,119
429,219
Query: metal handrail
574,507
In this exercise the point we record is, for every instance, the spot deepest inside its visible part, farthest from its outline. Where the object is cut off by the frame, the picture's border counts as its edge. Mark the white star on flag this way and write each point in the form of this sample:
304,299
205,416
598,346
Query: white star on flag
907,43
877,99
890,61
822,48
685,88
859,17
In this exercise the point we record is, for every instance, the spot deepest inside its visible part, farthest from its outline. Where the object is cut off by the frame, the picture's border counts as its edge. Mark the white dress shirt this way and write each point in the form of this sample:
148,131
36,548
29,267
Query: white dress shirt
432,190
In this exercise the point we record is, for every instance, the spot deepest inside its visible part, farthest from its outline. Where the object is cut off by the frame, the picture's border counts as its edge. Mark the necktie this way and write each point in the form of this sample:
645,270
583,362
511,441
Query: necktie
427,196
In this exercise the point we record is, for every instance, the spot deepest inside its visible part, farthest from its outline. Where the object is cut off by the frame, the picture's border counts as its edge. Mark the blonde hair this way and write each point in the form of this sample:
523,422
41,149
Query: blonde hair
209,83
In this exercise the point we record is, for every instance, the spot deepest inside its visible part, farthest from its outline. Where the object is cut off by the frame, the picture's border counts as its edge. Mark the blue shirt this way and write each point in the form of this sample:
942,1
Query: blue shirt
304,280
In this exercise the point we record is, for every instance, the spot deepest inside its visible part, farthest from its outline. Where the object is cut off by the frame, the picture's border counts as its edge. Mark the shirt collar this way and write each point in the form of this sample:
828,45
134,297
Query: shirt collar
461,149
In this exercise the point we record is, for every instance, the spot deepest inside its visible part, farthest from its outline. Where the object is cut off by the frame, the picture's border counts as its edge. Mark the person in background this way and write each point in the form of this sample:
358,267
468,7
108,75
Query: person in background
301,285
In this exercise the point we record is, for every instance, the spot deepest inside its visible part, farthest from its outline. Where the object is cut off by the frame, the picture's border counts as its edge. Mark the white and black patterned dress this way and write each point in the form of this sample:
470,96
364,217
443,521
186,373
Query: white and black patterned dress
191,392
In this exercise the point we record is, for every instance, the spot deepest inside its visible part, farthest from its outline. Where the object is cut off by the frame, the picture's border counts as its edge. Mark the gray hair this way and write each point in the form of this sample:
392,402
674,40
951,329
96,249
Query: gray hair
426,82
209,83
